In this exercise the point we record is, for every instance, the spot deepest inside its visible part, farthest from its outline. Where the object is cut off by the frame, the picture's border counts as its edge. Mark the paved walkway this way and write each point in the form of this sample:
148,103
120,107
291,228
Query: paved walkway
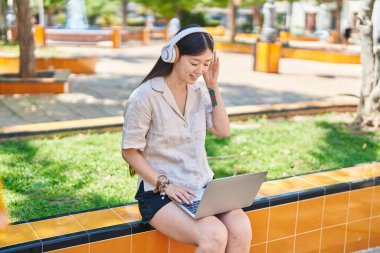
119,71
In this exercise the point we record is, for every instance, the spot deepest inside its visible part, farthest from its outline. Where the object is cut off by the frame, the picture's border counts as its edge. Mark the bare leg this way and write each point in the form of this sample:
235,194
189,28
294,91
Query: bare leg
239,231
207,234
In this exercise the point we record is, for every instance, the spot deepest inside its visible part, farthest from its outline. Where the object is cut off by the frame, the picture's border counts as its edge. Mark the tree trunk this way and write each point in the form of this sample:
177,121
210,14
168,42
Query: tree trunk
49,14
233,12
338,14
124,12
368,111
258,20
178,10
25,35
3,21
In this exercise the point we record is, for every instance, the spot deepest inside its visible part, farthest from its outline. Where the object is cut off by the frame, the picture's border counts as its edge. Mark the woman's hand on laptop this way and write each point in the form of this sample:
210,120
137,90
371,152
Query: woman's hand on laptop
180,194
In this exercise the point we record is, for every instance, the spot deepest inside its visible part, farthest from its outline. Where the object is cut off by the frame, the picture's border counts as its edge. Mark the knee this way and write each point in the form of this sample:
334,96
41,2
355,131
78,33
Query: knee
214,238
240,231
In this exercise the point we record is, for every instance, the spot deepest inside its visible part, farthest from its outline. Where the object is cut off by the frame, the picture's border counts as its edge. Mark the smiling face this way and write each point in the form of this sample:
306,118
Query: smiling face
190,67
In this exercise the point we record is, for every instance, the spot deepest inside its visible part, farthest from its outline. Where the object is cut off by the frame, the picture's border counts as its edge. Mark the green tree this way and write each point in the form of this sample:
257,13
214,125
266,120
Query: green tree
168,9
51,7
99,8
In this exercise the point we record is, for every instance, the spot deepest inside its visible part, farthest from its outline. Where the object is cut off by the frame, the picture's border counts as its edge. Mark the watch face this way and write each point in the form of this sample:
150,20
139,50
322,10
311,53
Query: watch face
162,178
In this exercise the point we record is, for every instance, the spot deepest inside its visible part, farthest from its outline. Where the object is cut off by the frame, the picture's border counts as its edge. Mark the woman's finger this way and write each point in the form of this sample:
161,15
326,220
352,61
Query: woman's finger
176,198
187,196
183,198
191,192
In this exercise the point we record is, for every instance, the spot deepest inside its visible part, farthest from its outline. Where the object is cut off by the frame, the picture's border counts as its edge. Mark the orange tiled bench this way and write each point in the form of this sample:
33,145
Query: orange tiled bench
331,211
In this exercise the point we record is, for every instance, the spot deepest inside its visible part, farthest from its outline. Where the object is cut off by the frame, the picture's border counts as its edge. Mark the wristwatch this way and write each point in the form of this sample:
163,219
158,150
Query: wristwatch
161,179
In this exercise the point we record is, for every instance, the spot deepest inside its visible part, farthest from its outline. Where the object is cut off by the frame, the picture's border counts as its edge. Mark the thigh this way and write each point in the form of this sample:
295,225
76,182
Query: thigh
236,221
175,223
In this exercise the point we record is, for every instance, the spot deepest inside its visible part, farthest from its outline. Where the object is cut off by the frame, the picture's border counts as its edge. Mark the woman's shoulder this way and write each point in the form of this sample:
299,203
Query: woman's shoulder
144,91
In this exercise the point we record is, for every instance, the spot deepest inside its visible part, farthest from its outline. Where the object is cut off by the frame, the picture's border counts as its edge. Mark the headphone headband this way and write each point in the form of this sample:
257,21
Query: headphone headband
186,32
168,53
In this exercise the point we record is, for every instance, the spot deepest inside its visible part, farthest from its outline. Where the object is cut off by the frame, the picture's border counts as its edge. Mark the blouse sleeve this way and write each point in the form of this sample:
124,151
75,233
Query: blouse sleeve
209,109
136,124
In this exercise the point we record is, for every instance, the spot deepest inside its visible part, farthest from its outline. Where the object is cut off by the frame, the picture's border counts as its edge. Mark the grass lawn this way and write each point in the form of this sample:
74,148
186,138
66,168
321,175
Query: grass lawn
47,177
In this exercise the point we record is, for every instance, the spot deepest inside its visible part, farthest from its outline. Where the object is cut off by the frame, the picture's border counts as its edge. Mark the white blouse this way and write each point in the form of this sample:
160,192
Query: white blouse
172,143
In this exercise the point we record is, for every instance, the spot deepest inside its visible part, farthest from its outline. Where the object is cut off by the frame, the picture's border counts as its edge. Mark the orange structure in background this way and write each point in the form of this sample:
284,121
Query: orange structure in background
39,35
116,37
267,57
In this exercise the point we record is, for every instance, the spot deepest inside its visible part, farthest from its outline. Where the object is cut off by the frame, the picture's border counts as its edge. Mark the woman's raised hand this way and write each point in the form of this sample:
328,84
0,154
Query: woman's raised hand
3,220
211,75
179,193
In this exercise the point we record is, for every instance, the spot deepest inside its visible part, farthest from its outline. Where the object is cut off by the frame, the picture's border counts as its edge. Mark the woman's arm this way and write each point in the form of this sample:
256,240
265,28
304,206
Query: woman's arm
220,122
134,158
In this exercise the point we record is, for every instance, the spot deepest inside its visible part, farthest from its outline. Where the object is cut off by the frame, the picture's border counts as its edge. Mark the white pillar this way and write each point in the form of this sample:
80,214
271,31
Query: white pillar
41,12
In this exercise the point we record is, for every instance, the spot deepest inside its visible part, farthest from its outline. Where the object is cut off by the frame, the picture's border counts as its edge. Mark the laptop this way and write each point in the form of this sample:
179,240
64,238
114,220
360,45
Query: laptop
225,194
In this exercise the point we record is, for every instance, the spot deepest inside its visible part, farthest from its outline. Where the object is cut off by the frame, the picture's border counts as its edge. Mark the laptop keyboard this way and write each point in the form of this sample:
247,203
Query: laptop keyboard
193,207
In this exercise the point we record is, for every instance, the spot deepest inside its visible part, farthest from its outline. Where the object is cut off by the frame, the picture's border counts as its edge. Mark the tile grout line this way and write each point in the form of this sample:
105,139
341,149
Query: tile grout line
111,209
34,232
370,216
130,247
333,177
275,182
88,235
267,237
307,181
346,224
322,218
295,227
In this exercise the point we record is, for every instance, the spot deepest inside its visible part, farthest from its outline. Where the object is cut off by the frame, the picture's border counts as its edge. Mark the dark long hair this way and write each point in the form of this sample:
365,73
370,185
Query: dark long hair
192,44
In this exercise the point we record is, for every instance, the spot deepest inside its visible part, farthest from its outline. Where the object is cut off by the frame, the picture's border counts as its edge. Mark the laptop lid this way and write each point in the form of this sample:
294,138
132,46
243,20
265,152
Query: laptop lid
230,193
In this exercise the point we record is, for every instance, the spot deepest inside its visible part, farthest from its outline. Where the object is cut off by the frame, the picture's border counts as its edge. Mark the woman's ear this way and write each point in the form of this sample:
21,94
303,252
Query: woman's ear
176,54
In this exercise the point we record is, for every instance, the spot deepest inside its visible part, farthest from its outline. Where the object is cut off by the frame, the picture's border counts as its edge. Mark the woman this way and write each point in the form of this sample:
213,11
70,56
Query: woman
3,213
163,141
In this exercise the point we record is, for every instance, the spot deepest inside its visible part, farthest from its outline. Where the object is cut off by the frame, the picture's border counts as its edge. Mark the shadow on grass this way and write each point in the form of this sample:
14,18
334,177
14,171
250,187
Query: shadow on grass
40,187
343,147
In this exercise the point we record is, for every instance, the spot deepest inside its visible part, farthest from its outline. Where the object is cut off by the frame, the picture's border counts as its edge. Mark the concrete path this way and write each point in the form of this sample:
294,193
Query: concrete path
119,71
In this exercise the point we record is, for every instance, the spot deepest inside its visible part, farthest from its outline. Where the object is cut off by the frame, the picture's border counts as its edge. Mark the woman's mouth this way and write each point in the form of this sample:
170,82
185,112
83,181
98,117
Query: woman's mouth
194,77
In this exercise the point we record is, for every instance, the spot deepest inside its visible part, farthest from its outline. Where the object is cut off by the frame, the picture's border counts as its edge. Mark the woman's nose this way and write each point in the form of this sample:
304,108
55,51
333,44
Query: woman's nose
199,69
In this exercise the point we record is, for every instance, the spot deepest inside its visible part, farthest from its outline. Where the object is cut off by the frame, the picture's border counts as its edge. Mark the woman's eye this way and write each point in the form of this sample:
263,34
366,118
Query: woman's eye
194,64
206,65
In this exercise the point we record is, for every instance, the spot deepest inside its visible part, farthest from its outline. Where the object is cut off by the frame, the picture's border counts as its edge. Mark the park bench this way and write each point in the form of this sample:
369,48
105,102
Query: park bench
335,211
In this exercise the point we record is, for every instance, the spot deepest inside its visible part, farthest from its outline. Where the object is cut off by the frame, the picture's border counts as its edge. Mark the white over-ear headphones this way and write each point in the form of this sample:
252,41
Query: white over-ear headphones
169,53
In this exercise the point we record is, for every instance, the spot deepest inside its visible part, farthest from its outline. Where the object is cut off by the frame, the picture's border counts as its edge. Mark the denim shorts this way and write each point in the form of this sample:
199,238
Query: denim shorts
149,203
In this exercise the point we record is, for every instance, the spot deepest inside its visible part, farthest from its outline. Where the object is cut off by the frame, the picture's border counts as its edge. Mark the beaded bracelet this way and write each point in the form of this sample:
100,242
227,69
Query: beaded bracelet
162,187
211,91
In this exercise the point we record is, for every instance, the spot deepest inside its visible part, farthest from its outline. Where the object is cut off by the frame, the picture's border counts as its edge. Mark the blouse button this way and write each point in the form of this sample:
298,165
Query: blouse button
185,125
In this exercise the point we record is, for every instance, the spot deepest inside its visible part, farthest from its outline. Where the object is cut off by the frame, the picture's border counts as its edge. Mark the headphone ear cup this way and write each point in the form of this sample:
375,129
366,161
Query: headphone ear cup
175,54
